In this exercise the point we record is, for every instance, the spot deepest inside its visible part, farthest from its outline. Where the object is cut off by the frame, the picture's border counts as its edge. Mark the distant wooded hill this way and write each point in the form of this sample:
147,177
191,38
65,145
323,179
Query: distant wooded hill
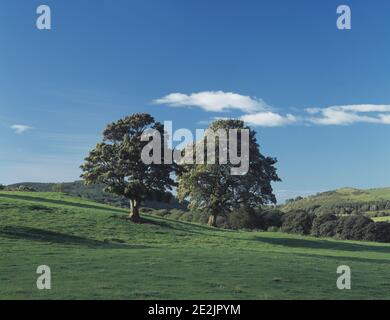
343,201
340,202
94,192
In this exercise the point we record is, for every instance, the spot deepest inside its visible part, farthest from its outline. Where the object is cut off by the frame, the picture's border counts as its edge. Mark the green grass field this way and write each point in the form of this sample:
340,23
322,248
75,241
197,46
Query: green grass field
94,253
381,219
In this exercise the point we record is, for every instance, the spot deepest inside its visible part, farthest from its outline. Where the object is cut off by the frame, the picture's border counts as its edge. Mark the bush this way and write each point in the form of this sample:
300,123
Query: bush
269,219
378,231
353,227
2,187
222,222
321,227
299,222
273,229
328,229
243,218
248,218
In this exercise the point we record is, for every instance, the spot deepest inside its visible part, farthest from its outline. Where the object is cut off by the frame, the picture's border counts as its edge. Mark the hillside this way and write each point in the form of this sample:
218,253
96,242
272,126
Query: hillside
95,192
94,253
344,201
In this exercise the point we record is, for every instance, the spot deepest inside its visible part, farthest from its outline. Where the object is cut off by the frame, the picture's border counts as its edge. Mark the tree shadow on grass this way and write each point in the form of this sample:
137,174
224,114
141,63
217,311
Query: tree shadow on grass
146,219
183,226
60,202
33,234
340,260
322,244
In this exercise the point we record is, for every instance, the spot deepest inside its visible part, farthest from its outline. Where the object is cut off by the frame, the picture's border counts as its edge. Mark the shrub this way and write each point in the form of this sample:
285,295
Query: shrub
268,219
299,222
353,227
243,218
378,231
2,187
248,218
328,229
318,230
222,222
273,229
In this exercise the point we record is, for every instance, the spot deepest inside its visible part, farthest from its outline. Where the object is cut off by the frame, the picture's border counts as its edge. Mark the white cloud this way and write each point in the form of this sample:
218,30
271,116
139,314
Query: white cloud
255,109
365,108
214,101
256,112
384,118
269,119
20,128
350,114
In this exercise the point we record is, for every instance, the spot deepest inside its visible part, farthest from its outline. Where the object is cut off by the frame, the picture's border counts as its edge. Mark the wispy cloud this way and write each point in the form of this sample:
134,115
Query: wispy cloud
258,113
20,128
214,101
350,114
269,119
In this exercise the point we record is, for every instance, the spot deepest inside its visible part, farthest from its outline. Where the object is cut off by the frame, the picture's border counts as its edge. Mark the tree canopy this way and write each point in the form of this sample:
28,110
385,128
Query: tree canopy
116,163
212,188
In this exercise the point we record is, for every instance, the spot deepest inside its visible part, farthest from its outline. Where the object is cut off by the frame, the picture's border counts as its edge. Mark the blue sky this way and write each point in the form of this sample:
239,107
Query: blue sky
282,65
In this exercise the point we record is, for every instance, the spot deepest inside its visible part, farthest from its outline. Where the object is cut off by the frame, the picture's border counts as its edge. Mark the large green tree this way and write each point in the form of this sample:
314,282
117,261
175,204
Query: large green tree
214,190
117,164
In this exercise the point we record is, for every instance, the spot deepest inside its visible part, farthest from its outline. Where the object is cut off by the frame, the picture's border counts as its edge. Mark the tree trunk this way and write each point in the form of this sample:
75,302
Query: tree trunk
212,221
134,211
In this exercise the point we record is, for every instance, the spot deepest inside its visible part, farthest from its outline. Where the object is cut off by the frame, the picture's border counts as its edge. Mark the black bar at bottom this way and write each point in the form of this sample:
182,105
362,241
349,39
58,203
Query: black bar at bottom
196,309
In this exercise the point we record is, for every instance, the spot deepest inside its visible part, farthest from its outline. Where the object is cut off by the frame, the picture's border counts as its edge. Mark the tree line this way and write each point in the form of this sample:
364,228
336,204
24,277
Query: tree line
351,227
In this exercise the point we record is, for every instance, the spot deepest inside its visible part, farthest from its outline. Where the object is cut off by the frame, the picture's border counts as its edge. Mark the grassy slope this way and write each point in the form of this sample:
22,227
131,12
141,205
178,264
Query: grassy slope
340,197
381,219
94,254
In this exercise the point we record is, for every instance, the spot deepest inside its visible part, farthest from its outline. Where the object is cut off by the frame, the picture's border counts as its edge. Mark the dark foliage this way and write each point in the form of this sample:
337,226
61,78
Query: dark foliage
299,222
353,227
328,229
379,232
242,218
321,227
